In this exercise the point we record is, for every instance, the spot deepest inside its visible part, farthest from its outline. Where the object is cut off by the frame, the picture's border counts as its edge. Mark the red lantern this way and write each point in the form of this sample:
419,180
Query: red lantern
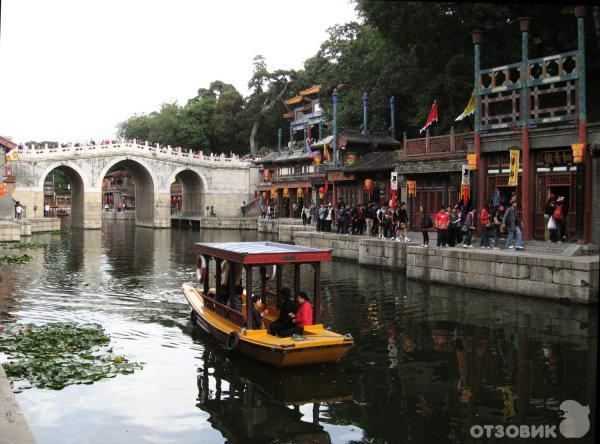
321,192
369,186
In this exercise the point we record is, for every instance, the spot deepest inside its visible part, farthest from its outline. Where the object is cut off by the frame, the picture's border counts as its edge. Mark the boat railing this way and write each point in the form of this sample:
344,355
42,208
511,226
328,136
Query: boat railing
224,311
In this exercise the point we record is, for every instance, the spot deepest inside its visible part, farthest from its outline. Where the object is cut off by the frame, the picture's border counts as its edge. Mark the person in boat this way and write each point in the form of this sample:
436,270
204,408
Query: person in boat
236,302
287,306
300,319
222,295
257,322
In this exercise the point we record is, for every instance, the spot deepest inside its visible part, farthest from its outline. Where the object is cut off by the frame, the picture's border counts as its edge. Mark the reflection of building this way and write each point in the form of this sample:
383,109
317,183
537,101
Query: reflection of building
118,187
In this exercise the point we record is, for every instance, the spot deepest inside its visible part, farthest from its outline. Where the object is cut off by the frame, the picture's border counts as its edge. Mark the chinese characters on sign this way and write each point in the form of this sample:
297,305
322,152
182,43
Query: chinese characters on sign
552,158
513,178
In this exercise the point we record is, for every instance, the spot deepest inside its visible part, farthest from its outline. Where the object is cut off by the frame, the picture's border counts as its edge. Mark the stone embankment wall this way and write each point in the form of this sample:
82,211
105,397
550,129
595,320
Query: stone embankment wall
12,231
508,271
573,278
224,223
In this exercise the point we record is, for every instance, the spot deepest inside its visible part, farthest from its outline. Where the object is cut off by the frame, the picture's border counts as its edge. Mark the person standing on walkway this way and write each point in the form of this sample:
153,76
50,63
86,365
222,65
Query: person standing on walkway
498,216
470,225
328,218
369,219
512,224
559,216
18,211
452,226
380,218
425,223
403,222
442,220
486,223
548,211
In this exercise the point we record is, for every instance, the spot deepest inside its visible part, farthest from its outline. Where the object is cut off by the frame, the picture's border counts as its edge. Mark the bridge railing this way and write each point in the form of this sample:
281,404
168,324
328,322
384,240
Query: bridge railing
122,146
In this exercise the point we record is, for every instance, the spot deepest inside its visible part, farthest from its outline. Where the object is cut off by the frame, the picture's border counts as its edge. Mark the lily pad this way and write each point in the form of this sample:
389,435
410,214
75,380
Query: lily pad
56,355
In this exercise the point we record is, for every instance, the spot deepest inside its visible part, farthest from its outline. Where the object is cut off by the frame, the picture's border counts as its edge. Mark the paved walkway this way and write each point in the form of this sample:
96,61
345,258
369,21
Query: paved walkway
13,425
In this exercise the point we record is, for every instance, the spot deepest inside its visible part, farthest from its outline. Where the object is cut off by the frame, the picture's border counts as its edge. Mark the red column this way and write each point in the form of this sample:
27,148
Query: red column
526,205
587,186
479,200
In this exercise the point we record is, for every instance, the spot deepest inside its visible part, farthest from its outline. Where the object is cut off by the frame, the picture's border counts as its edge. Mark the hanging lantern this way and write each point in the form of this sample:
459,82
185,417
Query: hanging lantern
472,161
577,152
321,192
273,194
299,192
369,186
264,194
286,192
317,159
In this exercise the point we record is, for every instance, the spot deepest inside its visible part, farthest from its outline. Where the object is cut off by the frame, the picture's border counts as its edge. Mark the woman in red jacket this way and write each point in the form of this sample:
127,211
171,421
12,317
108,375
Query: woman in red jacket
486,223
302,318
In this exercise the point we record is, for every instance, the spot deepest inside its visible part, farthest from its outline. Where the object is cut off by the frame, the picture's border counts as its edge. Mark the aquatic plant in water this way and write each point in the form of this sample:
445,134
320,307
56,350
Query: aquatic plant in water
15,260
21,245
55,355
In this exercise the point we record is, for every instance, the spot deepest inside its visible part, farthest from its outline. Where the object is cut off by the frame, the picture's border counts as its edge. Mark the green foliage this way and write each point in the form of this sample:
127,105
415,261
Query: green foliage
415,51
15,260
21,246
59,354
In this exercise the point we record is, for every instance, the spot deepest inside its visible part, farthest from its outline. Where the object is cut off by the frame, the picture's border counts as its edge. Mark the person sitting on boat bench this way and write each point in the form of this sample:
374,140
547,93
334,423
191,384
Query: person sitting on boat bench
236,302
287,306
257,322
302,318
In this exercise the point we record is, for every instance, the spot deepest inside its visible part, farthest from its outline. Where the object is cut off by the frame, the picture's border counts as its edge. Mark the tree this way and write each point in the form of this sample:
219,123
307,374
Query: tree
268,89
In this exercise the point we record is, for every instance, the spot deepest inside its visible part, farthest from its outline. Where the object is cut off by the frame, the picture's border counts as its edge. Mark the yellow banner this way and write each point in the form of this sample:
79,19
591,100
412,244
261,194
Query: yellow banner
577,152
472,161
411,188
513,178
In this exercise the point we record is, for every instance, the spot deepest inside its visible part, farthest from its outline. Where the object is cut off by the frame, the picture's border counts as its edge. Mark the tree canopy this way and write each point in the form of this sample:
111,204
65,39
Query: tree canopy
415,51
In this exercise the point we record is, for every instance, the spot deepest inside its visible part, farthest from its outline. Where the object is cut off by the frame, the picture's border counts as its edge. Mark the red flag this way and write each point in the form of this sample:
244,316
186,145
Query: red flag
433,116
326,185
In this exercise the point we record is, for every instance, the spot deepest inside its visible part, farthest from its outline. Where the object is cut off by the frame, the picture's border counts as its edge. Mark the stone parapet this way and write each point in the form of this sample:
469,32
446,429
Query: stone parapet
343,246
45,224
553,277
118,215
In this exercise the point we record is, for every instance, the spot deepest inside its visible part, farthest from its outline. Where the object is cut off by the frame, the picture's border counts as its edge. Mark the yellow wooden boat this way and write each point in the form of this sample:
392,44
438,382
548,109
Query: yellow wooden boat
316,345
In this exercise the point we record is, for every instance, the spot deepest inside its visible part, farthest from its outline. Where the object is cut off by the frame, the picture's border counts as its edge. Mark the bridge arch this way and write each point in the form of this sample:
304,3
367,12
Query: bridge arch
193,189
146,186
78,189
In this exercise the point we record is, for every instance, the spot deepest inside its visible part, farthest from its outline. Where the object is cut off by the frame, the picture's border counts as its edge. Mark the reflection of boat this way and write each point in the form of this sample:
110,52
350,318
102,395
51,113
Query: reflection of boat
248,401
315,345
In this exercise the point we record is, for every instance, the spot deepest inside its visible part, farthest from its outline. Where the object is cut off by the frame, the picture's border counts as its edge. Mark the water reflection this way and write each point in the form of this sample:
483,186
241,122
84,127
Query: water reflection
250,402
429,360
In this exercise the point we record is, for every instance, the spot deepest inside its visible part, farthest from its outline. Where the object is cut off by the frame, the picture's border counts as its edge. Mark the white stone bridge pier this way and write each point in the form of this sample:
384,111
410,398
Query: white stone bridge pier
219,181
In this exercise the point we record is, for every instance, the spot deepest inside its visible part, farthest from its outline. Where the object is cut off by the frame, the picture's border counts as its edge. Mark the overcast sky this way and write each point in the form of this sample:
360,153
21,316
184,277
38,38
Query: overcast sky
72,69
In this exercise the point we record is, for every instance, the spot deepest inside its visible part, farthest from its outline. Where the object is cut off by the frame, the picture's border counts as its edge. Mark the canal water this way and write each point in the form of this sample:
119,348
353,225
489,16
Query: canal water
429,363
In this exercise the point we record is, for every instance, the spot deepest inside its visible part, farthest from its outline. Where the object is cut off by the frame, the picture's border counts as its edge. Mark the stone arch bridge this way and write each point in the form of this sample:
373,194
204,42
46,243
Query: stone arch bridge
219,181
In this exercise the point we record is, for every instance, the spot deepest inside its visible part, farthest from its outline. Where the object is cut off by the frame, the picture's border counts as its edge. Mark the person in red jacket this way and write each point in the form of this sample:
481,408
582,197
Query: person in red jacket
300,319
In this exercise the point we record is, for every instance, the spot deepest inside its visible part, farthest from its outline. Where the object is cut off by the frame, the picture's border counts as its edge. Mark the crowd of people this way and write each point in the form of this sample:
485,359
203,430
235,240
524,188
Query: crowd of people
455,225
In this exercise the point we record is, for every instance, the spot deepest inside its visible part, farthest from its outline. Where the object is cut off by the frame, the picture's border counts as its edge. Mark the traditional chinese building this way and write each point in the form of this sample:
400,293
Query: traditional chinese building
118,187
305,115
537,106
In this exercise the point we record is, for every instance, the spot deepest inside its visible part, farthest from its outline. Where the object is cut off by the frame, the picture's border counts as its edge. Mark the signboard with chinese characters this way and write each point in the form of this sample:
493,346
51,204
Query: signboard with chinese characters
394,181
557,158
465,179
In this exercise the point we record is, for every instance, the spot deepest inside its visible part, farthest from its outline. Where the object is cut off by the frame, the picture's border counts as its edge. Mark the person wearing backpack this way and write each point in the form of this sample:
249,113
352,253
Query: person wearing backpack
425,223
559,218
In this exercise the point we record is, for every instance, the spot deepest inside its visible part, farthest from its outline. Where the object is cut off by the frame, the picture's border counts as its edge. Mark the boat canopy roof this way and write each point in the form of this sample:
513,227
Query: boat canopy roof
262,253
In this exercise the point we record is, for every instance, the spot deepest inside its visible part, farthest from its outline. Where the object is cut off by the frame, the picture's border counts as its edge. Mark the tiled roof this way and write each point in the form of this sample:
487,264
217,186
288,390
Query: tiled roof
355,136
377,161
284,156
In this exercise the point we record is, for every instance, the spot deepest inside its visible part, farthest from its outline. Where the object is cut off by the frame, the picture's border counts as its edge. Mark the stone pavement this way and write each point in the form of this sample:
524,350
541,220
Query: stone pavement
13,425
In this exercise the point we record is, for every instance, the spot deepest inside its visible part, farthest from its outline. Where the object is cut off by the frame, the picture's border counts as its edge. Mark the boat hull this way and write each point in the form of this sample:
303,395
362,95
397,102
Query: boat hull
262,347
